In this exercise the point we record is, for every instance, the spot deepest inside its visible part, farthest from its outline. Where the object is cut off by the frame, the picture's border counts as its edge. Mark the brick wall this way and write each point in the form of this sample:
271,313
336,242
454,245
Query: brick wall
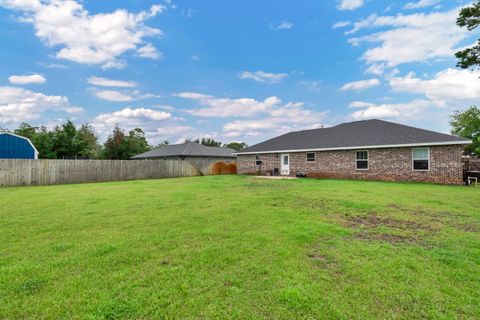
391,164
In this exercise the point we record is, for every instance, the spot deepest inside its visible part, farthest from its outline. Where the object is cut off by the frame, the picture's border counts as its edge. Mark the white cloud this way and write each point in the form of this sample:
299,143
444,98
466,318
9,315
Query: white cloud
104,82
446,86
18,104
83,37
172,130
361,104
410,38
240,126
261,76
341,24
360,85
129,118
421,4
376,69
448,89
150,52
122,96
163,107
113,95
350,4
290,117
157,125
400,111
52,65
226,107
269,114
30,79
21,4
114,65
285,25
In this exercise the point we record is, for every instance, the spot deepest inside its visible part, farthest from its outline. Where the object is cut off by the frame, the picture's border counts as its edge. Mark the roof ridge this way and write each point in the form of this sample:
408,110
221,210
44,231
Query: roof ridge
339,124
187,146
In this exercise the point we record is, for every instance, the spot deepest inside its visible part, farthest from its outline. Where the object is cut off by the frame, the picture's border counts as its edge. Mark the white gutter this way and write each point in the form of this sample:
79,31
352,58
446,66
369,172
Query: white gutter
423,144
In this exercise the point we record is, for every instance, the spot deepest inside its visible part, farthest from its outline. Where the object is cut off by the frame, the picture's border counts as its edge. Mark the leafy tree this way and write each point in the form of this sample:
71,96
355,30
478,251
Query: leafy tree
26,130
469,17
113,147
208,142
121,146
136,143
65,141
41,138
87,140
467,124
43,141
161,144
237,146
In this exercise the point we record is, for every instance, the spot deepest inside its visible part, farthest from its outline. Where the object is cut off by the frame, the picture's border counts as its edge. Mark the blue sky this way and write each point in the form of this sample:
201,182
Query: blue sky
232,70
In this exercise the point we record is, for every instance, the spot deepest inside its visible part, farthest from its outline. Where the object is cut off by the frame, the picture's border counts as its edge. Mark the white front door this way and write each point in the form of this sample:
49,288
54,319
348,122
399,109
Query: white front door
285,158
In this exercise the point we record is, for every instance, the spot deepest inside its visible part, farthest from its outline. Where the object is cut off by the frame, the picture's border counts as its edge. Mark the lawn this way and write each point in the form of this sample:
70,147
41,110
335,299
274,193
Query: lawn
241,248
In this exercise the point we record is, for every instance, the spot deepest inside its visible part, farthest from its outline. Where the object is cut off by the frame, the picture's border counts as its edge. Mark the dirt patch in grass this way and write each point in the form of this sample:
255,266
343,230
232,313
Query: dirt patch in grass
373,227
386,237
441,218
324,262
374,221
316,256
468,228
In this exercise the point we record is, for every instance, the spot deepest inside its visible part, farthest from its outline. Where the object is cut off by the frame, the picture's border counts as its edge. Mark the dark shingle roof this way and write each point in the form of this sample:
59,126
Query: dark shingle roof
191,149
367,133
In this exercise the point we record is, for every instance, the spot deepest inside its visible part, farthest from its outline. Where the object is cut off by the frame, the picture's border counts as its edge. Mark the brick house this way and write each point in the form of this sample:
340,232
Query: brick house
370,149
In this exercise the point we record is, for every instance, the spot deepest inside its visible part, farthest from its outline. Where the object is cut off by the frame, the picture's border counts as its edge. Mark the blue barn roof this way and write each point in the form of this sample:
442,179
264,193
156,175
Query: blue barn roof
13,146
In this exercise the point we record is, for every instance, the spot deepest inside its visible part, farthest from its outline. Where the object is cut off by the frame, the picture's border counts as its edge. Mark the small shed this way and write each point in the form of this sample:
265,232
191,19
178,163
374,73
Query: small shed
207,160
13,146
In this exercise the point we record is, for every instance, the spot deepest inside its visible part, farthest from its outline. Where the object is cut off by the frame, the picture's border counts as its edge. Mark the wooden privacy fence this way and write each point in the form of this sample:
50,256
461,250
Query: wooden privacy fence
46,172
471,164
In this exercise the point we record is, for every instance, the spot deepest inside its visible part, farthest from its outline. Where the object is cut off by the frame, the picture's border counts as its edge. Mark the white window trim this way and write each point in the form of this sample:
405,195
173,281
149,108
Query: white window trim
257,156
356,160
428,158
314,157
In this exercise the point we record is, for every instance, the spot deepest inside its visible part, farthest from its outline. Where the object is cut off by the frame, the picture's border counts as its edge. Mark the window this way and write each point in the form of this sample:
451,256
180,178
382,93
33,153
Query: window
285,160
362,160
257,160
311,157
421,159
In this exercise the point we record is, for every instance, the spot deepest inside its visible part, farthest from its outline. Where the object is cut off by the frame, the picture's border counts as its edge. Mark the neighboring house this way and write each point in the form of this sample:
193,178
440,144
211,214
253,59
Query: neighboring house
13,146
370,149
208,160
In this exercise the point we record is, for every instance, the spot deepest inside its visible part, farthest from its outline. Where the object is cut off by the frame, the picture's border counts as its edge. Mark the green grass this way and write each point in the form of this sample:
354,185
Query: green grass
240,248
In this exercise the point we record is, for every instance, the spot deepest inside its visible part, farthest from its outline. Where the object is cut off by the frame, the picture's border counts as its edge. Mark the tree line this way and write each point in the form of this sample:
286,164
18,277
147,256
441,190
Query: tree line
67,141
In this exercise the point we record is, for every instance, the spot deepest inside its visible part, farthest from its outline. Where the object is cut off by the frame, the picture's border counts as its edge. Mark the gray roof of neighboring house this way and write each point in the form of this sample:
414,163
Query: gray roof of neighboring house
359,134
191,149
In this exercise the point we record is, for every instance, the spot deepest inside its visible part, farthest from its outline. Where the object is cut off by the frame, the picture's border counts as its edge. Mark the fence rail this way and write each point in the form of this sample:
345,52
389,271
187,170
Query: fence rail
47,172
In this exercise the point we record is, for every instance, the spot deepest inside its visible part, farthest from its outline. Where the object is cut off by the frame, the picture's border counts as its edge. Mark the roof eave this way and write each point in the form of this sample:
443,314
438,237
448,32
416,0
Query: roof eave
422,144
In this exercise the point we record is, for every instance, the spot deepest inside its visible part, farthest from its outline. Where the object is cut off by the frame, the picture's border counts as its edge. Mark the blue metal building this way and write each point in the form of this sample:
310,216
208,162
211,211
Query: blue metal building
13,146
